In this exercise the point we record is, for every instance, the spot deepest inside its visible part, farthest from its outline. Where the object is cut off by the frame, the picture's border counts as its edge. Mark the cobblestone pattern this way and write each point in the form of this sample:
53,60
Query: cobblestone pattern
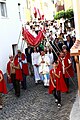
36,104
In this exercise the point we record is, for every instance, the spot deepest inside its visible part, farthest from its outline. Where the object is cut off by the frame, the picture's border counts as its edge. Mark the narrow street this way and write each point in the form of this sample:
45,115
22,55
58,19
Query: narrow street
36,104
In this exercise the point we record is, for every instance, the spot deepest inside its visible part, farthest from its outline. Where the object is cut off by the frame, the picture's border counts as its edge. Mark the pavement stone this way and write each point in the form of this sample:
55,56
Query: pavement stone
36,104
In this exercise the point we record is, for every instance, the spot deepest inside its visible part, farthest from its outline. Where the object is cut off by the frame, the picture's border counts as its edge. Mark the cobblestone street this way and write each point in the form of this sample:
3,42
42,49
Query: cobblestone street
36,104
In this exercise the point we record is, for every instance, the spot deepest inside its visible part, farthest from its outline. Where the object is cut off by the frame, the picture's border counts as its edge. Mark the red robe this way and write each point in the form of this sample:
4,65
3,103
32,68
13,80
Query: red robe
68,55
60,83
69,72
8,69
3,88
24,65
18,72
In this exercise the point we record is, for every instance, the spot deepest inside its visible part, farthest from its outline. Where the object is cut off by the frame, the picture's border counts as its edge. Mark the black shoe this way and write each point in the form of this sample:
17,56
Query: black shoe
17,95
24,88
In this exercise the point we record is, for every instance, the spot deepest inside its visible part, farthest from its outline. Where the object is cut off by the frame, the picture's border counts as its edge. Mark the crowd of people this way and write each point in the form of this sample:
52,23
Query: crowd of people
49,62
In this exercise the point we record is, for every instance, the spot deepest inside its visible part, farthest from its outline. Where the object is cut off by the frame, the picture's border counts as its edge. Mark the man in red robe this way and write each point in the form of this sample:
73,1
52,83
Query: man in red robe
68,71
3,88
24,66
8,70
57,83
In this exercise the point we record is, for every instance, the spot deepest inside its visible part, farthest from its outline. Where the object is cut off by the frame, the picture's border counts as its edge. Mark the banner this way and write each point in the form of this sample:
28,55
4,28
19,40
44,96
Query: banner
28,37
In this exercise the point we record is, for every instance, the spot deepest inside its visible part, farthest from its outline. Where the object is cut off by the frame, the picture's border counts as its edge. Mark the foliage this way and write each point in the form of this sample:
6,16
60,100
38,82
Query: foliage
64,14
69,13
59,15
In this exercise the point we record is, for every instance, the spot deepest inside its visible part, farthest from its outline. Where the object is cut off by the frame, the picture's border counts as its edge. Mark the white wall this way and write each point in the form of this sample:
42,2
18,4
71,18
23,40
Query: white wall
10,28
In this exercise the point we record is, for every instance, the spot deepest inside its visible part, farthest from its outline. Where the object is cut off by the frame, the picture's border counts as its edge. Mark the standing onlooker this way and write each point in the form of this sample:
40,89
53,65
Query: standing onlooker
69,42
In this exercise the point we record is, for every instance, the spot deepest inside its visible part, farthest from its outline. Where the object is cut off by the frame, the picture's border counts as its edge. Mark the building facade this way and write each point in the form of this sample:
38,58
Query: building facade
11,19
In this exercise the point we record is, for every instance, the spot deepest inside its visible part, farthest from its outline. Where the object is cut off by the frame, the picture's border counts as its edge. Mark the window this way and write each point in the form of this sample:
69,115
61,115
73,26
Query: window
3,9
14,48
19,11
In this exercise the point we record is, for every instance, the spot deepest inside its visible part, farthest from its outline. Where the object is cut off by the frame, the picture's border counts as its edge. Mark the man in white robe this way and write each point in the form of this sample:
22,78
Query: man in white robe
44,63
35,55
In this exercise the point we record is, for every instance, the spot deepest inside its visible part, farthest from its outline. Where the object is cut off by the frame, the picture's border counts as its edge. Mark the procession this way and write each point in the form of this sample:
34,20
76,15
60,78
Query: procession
49,61
39,60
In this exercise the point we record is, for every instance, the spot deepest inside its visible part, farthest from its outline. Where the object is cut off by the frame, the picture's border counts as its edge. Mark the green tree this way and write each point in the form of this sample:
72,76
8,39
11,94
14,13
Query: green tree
64,14
69,13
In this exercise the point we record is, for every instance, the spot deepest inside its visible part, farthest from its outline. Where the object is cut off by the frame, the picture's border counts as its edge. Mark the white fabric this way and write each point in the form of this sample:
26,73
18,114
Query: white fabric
36,74
35,57
69,61
44,67
24,61
63,66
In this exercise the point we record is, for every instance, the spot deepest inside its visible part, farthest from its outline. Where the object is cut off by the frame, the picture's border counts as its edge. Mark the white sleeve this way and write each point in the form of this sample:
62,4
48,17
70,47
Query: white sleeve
47,60
32,58
69,61
39,60
24,61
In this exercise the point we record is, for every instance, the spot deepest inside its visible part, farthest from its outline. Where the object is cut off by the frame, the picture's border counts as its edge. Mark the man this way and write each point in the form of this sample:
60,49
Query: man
66,68
69,42
24,66
35,55
14,74
44,63
28,52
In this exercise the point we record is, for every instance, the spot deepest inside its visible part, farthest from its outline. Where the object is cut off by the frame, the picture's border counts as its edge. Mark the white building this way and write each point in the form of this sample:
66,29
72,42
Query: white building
12,17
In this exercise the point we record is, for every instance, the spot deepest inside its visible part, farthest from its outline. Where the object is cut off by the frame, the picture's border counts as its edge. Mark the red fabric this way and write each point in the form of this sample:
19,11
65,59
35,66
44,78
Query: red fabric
28,37
39,14
69,72
8,69
60,83
35,12
18,71
24,65
68,55
42,18
3,88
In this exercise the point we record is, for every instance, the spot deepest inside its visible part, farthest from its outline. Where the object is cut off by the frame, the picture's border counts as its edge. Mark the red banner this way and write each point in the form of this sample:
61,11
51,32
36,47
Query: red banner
28,37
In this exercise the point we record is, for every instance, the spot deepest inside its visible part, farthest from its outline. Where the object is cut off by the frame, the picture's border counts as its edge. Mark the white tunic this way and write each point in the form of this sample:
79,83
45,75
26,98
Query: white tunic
35,57
44,67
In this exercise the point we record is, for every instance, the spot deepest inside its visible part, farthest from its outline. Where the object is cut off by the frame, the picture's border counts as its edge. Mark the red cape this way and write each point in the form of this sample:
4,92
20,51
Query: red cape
69,72
60,83
3,88
8,69
18,71
25,65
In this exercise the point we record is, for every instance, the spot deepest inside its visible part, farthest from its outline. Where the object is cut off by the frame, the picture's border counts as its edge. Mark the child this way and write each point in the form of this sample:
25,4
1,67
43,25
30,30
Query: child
3,88
57,84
